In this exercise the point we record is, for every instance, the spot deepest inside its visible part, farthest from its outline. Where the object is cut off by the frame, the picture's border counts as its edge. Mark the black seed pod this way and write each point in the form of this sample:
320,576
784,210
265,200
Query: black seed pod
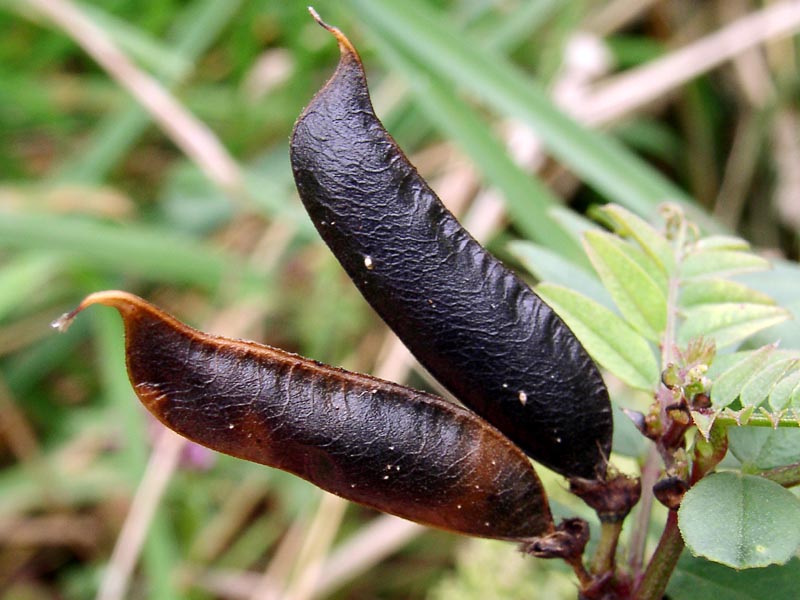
469,320
371,441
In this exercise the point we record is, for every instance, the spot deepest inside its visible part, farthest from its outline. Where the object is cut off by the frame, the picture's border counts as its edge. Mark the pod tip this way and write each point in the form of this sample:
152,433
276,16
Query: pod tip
344,43
122,301
317,18
62,323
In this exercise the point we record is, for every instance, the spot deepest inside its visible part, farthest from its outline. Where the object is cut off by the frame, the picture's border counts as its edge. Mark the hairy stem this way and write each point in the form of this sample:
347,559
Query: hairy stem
668,341
673,288
652,464
662,563
758,421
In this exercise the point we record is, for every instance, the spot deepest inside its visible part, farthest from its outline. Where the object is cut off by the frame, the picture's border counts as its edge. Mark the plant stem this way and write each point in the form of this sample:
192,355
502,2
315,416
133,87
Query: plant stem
758,421
604,557
638,539
673,288
662,563
584,578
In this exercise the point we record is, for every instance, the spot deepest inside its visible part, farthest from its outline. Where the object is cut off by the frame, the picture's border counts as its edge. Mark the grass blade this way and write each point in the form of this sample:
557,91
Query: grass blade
527,199
600,160
197,28
152,253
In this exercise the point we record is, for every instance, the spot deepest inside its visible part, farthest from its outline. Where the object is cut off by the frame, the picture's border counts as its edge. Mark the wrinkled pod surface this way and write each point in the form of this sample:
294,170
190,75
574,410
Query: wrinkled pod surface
383,445
477,327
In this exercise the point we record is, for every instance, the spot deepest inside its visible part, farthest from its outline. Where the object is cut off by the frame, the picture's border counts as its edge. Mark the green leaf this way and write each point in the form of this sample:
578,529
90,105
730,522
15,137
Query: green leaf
723,362
726,388
721,263
627,224
719,291
782,283
607,338
781,395
765,448
729,323
698,579
722,242
573,223
549,266
742,521
760,385
628,440
648,265
639,296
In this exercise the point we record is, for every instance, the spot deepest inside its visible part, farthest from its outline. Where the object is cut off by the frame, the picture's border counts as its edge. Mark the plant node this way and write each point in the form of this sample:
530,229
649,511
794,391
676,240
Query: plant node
567,541
611,498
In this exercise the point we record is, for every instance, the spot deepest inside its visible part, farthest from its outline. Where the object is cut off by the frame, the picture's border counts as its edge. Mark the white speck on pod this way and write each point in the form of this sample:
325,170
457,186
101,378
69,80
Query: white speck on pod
523,398
368,263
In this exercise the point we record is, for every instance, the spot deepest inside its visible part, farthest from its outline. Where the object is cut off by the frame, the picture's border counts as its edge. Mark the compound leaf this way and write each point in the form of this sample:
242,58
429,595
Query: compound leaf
637,291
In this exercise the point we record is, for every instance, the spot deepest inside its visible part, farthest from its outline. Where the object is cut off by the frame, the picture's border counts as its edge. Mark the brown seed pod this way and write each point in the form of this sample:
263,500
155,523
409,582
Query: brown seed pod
477,327
389,447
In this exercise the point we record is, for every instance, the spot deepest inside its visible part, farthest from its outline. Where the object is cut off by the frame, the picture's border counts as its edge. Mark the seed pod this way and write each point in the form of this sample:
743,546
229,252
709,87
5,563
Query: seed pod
389,447
478,328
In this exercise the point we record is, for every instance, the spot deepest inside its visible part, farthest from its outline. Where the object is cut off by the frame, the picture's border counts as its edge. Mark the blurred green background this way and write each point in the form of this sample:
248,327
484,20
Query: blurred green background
201,217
